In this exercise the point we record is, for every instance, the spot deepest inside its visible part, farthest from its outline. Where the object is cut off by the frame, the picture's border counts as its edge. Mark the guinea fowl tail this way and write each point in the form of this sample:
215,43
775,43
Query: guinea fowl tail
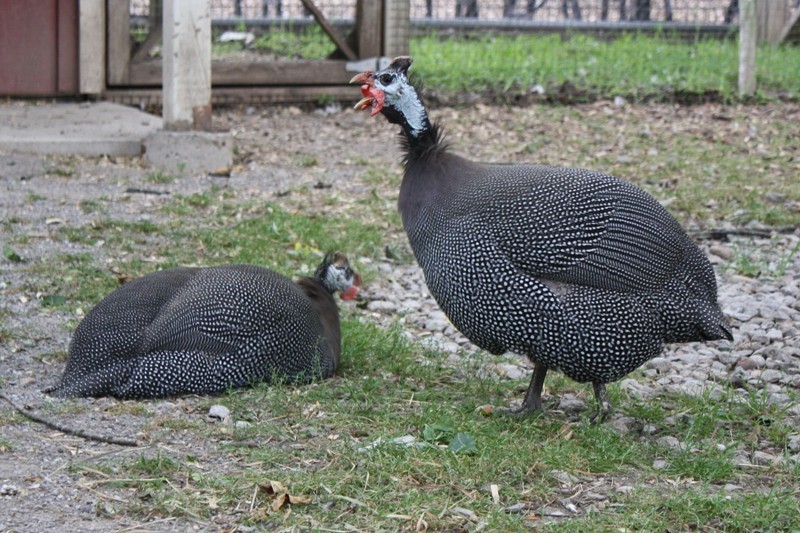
89,384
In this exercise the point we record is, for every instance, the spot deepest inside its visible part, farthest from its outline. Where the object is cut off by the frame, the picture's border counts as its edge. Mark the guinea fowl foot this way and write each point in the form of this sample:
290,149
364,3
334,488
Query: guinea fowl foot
533,396
603,404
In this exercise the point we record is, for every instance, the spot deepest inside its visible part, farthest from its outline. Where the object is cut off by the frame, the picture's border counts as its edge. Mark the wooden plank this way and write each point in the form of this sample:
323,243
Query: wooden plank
187,64
92,46
244,95
771,16
119,42
791,30
369,23
330,30
748,37
68,46
329,72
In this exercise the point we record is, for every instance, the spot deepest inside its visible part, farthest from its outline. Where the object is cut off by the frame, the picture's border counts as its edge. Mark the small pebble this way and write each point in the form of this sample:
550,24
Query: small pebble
218,413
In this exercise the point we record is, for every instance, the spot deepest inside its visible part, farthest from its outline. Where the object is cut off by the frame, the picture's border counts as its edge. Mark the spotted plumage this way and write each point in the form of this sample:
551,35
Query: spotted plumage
206,330
578,270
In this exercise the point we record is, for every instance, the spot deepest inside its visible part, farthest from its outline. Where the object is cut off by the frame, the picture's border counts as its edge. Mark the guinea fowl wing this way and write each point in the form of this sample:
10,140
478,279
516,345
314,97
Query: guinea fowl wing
584,228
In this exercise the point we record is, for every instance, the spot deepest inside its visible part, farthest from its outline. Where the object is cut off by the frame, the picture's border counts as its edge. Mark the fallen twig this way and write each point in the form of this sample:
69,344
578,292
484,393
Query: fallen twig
66,429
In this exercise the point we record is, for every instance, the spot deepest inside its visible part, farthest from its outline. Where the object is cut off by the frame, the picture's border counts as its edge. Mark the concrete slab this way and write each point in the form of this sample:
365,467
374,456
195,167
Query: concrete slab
100,128
190,152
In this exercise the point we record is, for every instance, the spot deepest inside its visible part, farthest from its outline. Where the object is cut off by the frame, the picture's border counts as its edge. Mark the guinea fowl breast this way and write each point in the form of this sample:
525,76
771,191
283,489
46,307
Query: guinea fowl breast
578,270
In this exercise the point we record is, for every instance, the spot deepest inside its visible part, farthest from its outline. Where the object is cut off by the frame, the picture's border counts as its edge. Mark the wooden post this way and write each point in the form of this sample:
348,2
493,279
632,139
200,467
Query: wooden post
119,42
772,16
369,23
92,46
187,65
396,27
748,34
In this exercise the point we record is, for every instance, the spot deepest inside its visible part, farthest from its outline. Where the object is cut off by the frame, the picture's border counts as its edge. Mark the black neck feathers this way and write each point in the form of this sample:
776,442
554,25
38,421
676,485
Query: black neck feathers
325,306
423,147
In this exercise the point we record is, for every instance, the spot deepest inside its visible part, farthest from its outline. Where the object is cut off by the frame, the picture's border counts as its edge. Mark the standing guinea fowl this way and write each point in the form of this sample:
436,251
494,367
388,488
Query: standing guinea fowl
205,330
578,270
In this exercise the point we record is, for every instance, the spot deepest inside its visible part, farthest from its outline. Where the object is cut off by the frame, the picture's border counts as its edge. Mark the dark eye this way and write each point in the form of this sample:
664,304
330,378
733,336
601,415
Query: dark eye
386,79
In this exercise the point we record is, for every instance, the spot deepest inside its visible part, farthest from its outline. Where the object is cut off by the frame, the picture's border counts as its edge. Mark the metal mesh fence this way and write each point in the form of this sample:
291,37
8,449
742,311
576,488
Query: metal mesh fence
695,12
280,30
548,11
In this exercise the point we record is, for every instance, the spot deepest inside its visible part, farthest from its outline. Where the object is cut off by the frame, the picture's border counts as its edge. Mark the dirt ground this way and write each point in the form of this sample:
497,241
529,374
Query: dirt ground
38,196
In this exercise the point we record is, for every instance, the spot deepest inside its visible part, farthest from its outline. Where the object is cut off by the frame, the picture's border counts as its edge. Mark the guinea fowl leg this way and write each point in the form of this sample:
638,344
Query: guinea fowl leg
603,403
533,396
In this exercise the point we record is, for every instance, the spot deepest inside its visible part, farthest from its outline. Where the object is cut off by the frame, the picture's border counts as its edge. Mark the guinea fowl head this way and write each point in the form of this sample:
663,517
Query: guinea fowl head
389,91
336,274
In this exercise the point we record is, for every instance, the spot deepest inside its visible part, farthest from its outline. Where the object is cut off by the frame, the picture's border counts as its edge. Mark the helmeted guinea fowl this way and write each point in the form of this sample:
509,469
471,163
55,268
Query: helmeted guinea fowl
205,330
578,270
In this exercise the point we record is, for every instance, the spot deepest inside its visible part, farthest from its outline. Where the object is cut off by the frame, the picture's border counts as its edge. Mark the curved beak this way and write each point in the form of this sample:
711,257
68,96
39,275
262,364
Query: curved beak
364,77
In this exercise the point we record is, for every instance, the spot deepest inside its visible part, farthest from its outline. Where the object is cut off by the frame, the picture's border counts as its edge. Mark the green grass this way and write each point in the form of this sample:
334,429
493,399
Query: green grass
636,66
319,441
285,43
331,442
159,177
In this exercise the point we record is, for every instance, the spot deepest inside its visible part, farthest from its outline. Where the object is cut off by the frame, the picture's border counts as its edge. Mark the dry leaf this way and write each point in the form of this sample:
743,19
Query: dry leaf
279,500
299,500
279,494
486,410
272,488
495,490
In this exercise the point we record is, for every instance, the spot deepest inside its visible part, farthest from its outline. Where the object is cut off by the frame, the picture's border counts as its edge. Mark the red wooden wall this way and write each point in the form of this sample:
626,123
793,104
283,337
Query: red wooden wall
38,47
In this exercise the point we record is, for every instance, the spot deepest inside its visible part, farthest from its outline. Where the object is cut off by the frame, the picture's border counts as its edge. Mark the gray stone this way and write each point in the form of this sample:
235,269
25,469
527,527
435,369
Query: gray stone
660,464
669,442
765,459
435,325
218,412
190,152
623,424
89,129
721,250
569,403
381,305
771,376
510,371
649,429
565,478
661,364
637,389
774,334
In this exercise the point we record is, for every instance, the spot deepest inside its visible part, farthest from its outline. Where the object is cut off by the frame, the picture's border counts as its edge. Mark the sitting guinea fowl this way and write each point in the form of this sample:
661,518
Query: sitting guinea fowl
578,270
205,330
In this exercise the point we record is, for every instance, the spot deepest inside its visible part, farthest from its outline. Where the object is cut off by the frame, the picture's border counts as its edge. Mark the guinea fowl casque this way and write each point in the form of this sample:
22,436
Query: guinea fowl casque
578,270
206,330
